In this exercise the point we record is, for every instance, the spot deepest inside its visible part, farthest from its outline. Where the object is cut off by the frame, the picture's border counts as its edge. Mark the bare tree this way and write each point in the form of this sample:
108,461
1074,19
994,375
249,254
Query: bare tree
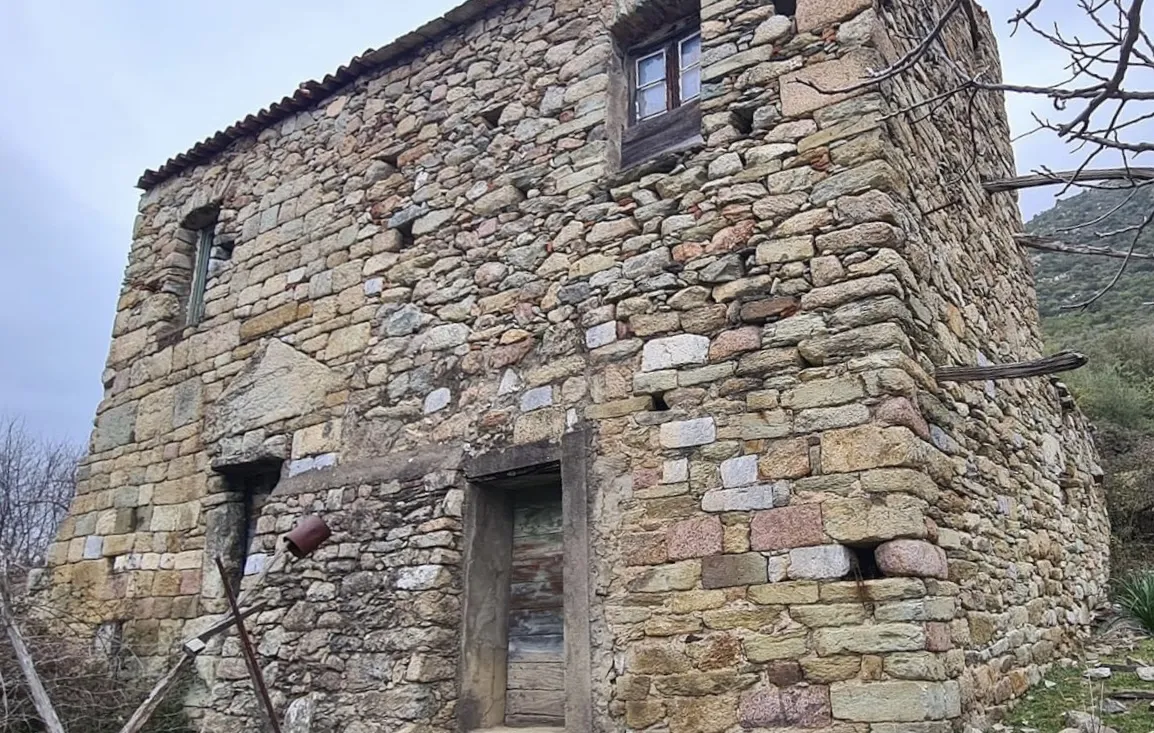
1101,104
37,481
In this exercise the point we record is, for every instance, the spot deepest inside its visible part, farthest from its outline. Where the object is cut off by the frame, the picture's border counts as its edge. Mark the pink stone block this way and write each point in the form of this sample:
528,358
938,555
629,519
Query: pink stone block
786,528
900,411
796,707
911,558
729,343
938,637
699,537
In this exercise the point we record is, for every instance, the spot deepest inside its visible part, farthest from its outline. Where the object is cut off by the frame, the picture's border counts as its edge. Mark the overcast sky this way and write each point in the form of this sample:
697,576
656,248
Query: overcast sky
95,92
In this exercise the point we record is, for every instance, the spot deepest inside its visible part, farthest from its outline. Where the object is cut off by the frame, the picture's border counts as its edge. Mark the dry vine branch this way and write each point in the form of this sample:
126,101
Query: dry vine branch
1101,107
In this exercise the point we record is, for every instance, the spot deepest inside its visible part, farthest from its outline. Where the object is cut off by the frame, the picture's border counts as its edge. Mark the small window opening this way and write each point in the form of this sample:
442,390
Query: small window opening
195,310
864,566
232,526
405,229
108,642
659,403
257,488
492,116
742,120
785,7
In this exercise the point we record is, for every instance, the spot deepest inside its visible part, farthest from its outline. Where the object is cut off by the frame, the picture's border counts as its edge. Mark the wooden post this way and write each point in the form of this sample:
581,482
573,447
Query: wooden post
192,647
1063,362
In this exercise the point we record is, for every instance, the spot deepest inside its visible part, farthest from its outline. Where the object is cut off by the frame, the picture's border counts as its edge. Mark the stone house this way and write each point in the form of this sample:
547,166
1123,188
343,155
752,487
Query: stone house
604,339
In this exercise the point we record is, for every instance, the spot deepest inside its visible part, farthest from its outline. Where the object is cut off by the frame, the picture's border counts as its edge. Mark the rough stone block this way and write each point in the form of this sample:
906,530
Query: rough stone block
697,537
437,400
841,347
775,707
688,433
537,398
675,471
895,701
674,351
901,480
601,335
772,647
862,521
746,498
787,528
819,563
784,594
713,714
785,459
619,408
269,321
805,90
769,309
114,427
322,438
869,639
871,446
823,670
674,576
725,571
912,558
739,471
730,343
816,14
779,251
655,382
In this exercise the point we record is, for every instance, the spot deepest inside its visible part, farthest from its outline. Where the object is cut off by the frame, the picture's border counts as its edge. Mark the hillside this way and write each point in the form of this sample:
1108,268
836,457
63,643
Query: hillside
1066,279
1116,389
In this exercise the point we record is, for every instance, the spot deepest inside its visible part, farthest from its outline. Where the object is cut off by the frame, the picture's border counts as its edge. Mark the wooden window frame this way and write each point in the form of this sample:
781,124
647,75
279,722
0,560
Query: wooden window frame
670,44
199,285
680,123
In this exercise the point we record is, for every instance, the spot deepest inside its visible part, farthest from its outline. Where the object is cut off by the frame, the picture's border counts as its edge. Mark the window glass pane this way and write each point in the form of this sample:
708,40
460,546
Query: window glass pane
651,69
690,52
650,101
690,84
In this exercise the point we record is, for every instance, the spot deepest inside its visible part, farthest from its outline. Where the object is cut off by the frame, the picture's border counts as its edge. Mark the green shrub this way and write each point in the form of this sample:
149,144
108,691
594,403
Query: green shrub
1136,596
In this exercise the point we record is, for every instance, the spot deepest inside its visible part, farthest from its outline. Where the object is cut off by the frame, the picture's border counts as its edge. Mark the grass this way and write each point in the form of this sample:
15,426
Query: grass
1045,708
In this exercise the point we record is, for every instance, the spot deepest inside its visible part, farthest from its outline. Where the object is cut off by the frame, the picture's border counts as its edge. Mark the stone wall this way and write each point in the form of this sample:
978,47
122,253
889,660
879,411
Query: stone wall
792,524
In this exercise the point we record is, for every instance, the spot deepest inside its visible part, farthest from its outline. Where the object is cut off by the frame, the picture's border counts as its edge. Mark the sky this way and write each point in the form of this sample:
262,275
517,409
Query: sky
96,92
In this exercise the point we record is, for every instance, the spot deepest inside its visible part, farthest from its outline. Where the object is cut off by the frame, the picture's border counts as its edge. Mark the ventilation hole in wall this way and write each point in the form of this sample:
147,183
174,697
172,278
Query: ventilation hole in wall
390,159
492,116
742,120
785,7
406,232
864,564
224,249
659,403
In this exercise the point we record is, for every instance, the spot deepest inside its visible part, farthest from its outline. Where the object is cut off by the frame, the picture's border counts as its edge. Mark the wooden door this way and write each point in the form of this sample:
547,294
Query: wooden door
535,693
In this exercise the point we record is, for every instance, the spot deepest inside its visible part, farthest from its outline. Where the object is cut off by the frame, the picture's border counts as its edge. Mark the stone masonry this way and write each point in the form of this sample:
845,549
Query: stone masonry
791,524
